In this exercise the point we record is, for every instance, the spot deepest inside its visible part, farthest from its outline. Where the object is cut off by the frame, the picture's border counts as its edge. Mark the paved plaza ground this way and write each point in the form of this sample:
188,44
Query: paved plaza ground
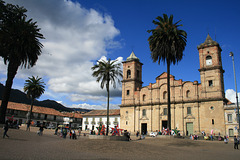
28,145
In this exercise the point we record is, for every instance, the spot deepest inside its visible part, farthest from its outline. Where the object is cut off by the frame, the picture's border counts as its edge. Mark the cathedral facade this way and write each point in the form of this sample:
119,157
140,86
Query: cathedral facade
195,107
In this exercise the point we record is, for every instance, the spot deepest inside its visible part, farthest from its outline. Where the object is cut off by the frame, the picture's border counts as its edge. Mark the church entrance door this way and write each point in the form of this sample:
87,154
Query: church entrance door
189,128
144,128
164,124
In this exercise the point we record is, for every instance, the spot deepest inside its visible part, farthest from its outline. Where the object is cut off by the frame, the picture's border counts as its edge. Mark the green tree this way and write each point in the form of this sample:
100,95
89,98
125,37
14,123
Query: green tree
106,71
167,44
34,88
19,45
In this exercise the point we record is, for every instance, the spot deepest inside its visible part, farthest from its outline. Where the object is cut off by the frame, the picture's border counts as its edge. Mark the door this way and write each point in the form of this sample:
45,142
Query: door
164,124
144,128
189,128
231,134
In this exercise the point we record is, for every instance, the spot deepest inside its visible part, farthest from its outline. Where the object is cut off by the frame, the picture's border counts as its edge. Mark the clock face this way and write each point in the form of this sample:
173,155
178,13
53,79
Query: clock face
209,62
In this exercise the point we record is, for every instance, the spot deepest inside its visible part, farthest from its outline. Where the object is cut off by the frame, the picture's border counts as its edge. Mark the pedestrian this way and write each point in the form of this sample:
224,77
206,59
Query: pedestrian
70,134
74,134
41,130
5,129
211,137
235,142
137,133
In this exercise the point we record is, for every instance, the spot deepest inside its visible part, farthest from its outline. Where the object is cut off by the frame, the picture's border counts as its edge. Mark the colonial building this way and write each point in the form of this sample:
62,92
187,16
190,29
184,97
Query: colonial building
195,107
231,119
41,115
93,119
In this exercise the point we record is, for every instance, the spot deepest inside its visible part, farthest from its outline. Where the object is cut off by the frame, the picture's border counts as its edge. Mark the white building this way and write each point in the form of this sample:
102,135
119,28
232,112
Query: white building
19,112
93,119
231,117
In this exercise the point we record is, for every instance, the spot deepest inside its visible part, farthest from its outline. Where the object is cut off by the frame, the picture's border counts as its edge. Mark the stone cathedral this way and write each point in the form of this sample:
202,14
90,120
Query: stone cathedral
195,107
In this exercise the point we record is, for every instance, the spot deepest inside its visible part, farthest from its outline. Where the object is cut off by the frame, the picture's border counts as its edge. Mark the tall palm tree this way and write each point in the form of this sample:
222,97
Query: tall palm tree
167,44
19,45
34,88
106,71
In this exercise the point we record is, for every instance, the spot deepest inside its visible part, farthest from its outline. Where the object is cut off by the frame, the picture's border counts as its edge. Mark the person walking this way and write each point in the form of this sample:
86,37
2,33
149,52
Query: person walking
235,142
41,130
5,129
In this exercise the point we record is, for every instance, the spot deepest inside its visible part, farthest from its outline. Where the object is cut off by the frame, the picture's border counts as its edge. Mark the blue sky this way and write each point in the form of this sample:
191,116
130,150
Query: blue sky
78,33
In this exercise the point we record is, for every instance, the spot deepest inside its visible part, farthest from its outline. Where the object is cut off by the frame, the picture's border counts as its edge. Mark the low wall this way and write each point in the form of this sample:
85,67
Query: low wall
111,138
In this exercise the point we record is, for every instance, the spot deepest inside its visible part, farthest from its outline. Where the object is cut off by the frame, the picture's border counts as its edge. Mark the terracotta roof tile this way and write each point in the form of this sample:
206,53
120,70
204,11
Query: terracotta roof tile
43,110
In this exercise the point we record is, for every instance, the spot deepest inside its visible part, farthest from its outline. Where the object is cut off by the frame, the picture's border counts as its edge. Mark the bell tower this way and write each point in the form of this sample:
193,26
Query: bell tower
211,71
132,78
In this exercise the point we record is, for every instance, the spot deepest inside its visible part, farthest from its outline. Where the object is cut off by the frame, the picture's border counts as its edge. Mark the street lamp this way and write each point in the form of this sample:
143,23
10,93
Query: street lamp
231,55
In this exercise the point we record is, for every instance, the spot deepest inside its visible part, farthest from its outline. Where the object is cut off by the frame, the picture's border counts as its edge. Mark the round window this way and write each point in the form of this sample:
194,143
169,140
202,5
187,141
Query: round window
212,108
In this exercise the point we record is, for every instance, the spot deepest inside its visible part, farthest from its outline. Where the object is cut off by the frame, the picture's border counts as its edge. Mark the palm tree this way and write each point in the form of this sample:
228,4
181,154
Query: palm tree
34,88
167,44
19,45
106,71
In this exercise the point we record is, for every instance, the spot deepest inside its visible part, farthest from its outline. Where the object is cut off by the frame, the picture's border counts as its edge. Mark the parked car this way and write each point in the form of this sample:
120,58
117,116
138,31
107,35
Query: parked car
51,127
153,134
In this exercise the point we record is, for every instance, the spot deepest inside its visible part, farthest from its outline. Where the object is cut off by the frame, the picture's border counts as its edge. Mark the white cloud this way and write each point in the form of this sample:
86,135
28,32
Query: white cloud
95,107
74,38
231,95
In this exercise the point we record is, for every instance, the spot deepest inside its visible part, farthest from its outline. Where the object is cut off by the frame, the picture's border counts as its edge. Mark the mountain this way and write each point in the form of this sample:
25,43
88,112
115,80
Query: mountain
20,97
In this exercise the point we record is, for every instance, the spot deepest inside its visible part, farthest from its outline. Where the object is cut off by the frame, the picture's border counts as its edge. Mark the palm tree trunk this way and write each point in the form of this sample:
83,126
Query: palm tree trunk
30,116
168,91
108,107
12,71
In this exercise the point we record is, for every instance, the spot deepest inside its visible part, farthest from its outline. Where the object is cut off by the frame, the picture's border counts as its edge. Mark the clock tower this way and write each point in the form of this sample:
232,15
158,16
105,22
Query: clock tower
211,71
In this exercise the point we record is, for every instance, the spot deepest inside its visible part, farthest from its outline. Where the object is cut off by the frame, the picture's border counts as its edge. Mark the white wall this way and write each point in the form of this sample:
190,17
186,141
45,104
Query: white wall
97,119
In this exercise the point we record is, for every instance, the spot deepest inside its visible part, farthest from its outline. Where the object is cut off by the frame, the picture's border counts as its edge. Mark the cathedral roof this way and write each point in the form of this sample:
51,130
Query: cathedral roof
208,42
132,57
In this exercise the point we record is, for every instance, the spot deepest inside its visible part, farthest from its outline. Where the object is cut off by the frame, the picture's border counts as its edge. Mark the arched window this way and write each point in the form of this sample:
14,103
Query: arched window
128,73
144,112
164,94
144,97
208,60
187,93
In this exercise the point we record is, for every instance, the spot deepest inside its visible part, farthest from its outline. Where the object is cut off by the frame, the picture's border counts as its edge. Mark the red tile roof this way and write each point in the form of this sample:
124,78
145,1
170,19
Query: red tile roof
43,110
112,112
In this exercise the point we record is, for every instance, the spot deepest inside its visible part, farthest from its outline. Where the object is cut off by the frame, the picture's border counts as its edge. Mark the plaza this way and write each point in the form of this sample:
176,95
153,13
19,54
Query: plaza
28,145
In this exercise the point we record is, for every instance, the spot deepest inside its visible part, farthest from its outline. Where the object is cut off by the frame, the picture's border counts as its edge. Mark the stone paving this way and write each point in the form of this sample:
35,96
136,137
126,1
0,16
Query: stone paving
28,145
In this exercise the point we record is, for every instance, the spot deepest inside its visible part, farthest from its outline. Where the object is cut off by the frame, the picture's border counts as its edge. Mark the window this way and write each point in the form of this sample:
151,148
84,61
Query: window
128,92
55,117
187,93
212,121
93,119
165,111
210,83
126,112
128,74
208,60
39,115
164,94
86,119
144,112
229,117
189,110
126,122
45,116
144,97
212,108
100,120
